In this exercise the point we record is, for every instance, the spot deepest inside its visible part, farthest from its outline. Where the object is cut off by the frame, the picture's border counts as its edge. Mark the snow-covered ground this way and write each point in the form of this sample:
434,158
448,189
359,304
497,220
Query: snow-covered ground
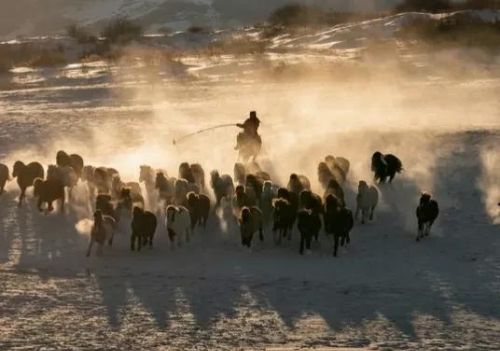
384,291
359,34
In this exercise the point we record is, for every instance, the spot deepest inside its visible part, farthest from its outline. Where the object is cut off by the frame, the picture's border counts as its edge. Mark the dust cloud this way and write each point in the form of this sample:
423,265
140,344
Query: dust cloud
308,111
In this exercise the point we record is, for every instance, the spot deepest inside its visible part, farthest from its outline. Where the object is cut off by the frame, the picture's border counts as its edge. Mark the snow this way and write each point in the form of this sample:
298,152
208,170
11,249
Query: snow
383,28
383,292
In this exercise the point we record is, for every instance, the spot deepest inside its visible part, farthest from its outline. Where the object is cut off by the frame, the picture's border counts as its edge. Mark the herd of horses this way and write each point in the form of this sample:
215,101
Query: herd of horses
249,197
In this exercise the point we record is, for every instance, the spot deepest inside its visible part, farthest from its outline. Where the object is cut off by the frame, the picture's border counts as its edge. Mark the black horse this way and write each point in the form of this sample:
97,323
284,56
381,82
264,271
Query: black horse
309,225
385,166
427,213
143,228
338,222
284,216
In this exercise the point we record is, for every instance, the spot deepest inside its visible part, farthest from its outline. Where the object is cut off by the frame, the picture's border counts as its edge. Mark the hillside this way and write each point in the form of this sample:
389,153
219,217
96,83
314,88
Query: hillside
30,18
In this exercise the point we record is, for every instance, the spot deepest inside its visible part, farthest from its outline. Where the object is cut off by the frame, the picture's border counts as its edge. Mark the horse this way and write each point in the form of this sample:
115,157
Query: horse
427,213
338,222
367,200
309,225
103,230
284,219
26,175
250,221
143,228
248,147
385,166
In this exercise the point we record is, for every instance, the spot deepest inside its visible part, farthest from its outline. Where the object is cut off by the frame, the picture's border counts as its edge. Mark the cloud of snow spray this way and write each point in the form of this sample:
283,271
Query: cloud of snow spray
316,109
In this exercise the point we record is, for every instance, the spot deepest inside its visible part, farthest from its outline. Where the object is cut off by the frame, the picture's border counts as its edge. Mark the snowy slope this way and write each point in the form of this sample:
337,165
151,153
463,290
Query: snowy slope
355,35
26,17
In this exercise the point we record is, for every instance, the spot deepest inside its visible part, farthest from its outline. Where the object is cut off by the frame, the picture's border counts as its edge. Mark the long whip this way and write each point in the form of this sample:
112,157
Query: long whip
187,136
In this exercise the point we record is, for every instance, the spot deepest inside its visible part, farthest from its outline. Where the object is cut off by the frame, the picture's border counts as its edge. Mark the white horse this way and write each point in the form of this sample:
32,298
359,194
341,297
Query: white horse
178,223
367,201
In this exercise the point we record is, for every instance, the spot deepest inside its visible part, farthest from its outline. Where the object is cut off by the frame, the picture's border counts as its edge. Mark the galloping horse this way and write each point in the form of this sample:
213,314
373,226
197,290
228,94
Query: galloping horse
249,147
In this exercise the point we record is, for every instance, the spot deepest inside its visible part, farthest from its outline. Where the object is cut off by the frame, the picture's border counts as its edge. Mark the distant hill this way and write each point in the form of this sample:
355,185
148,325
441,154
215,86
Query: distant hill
46,17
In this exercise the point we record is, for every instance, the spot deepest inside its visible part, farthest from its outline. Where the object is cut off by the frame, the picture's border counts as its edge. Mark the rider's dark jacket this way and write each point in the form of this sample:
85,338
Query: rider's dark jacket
250,126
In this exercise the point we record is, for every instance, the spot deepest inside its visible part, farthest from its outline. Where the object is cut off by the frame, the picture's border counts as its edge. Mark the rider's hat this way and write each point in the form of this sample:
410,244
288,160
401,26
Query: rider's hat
253,116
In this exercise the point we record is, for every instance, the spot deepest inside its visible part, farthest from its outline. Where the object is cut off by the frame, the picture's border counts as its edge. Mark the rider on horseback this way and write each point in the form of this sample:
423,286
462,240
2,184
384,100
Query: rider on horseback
251,124
249,141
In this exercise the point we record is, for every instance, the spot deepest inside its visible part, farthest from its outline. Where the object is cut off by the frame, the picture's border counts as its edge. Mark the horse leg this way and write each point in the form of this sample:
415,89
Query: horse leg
245,241
140,239
110,241
261,234
372,212
39,205
62,204
302,242
335,244
427,228
21,197
391,176
193,222
132,242
99,249
171,237
90,247
308,242
420,230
